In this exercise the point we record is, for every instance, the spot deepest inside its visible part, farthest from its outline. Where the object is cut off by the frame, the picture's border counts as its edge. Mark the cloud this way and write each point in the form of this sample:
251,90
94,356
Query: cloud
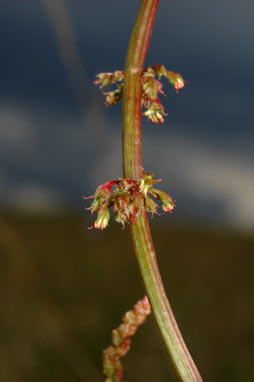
45,153
16,128
34,198
216,175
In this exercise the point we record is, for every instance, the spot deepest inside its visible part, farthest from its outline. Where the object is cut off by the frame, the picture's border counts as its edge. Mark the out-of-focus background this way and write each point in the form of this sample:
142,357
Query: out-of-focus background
63,288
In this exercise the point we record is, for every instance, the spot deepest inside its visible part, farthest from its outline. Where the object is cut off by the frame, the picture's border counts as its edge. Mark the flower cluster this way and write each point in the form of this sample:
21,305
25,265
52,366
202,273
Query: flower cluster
128,197
151,88
105,79
121,340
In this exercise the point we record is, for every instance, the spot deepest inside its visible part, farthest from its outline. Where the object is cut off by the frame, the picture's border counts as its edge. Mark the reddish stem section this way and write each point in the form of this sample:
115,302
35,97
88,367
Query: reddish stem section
138,46
132,168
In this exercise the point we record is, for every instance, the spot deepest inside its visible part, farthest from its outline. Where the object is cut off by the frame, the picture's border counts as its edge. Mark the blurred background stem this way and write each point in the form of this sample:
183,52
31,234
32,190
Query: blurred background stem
132,168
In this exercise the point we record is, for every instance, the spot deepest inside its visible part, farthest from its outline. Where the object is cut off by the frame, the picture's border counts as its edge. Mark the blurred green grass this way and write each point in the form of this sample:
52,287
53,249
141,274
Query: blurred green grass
64,288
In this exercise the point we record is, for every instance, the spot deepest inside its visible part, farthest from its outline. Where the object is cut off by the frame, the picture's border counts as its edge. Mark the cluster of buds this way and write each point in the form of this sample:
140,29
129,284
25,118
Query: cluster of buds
151,88
128,198
121,340
105,79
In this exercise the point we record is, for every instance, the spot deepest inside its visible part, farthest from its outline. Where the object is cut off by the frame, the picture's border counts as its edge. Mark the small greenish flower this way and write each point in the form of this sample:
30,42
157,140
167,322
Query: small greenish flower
147,182
160,70
100,204
176,80
155,111
105,79
102,218
125,203
151,88
102,196
112,98
166,201
151,206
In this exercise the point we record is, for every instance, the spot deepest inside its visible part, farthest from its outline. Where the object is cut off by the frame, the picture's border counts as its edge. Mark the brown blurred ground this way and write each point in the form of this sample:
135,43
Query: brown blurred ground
63,289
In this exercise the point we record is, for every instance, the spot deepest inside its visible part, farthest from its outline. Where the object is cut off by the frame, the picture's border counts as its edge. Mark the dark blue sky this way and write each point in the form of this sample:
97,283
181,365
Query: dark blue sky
58,142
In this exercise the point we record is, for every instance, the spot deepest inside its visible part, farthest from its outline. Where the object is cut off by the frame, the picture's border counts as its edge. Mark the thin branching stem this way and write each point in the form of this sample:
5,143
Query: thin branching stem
132,168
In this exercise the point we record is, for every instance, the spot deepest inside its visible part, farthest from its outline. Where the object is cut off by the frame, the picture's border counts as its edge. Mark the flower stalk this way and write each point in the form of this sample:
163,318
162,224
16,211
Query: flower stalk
132,168
134,195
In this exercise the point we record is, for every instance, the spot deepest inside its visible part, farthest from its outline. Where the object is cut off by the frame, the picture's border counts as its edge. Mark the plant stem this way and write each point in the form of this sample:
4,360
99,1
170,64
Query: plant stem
132,168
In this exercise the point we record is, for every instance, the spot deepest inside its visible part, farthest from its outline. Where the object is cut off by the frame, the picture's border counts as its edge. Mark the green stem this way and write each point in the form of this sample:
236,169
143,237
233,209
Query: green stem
132,168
